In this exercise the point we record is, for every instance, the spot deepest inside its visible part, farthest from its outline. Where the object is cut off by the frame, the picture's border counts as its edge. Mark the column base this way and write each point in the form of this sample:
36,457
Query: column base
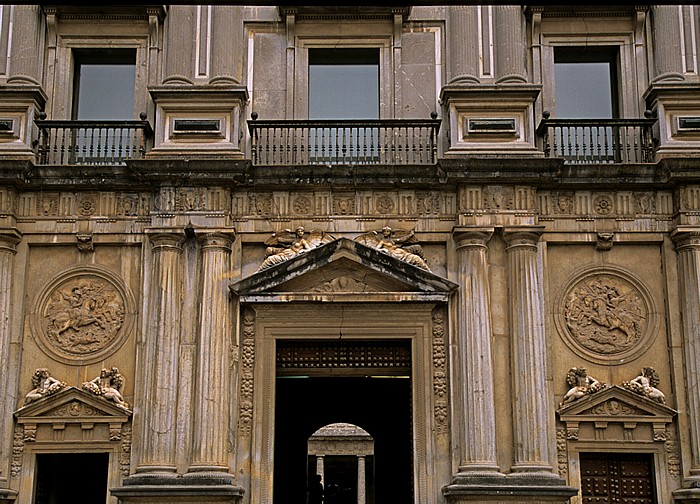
519,488
202,488
687,495
7,496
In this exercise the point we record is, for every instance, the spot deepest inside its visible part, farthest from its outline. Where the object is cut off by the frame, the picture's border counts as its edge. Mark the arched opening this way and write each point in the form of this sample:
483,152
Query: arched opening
342,455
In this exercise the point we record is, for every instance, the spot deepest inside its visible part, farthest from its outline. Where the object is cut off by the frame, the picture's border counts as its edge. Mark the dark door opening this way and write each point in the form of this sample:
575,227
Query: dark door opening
378,402
70,478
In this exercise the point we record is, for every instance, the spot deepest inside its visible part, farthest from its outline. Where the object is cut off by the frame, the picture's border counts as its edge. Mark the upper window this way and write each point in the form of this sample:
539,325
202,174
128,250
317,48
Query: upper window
585,80
104,84
344,83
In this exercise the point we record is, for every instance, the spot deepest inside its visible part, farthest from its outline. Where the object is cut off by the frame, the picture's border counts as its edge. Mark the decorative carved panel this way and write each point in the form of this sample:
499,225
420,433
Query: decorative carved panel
606,315
83,314
343,354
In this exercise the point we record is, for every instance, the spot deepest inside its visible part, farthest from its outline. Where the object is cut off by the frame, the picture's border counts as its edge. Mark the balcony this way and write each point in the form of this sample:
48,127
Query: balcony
596,141
91,142
343,142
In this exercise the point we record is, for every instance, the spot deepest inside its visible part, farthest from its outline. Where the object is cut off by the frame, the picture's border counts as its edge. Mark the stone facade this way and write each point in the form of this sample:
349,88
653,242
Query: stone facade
539,307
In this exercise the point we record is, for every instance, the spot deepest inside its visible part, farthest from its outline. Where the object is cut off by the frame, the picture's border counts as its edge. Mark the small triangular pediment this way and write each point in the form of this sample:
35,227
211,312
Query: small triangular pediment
615,402
347,269
71,403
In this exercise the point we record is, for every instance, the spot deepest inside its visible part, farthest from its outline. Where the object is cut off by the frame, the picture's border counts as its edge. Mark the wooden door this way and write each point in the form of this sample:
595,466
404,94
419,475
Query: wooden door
617,478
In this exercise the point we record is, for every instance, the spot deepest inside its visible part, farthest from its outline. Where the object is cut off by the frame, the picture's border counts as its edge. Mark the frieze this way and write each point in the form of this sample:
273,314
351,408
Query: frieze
644,203
605,314
344,204
303,204
341,284
603,204
614,408
83,314
74,409
47,204
190,199
384,204
128,204
260,204
88,204
498,198
428,203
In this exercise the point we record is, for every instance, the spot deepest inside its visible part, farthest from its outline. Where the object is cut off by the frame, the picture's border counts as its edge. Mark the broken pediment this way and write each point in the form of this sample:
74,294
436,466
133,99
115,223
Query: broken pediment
629,412
72,414
346,271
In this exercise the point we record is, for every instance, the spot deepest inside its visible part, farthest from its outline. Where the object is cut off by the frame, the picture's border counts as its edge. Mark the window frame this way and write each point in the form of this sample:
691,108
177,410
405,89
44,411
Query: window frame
623,33
300,82
88,54
61,77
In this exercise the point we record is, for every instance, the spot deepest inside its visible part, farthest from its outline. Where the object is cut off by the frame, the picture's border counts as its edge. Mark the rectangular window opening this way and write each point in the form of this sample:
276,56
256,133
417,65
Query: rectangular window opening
586,82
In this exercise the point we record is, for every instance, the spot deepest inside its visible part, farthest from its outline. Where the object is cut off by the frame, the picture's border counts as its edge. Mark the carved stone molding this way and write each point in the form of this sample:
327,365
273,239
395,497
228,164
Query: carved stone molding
245,415
606,315
440,371
83,314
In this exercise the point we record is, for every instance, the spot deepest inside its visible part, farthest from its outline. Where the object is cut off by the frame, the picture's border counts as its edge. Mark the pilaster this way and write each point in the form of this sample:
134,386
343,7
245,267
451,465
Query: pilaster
667,43
212,391
688,250
475,381
159,433
462,33
533,409
510,44
8,248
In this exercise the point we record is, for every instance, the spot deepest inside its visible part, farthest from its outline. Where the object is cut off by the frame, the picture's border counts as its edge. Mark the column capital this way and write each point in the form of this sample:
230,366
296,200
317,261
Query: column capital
686,238
166,238
9,238
216,238
471,237
522,236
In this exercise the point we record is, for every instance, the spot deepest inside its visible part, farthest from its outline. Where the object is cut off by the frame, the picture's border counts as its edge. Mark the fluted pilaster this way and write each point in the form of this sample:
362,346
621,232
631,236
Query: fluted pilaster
8,244
463,33
212,395
227,44
24,64
688,250
179,45
165,310
511,45
474,347
667,43
532,399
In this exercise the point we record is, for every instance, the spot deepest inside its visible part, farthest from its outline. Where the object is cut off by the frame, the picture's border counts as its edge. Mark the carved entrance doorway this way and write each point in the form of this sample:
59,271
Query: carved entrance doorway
365,383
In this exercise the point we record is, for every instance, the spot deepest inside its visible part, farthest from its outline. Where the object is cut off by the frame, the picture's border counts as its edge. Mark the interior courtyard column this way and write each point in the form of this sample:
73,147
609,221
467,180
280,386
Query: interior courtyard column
688,250
474,340
163,332
361,490
533,405
212,394
319,468
8,249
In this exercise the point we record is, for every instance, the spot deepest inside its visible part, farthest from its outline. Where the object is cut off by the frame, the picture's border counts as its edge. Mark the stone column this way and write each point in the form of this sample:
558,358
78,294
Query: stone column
163,331
320,469
8,248
361,490
667,43
533,405
212,394
511,45
475,380
463,46
688,250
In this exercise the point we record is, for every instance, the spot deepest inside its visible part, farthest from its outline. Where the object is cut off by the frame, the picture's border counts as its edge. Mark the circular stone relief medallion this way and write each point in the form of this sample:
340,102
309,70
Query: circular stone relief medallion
83,315
606,315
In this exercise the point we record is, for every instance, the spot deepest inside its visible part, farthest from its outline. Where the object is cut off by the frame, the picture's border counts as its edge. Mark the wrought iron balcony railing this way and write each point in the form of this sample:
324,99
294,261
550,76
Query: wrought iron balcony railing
91,142
586,141
339,142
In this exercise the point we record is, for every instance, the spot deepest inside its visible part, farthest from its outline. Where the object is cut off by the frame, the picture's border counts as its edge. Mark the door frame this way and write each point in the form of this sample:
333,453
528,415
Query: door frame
424,324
